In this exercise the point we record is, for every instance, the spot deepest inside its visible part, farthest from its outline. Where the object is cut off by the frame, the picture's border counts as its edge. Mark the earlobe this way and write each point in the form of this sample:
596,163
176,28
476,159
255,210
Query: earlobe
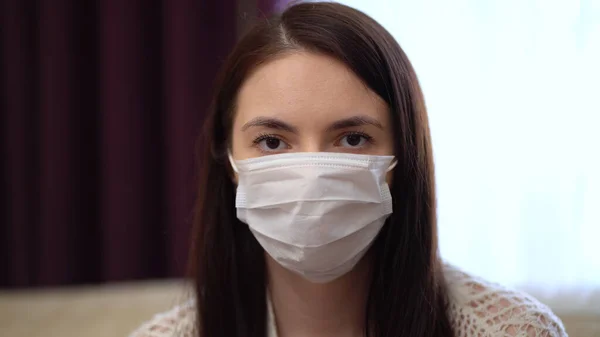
233,168
233,176
232,162
389,176
393,165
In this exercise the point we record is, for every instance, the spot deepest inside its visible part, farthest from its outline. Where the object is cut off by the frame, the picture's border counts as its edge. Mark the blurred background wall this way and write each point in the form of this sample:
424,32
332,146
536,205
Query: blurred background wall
101,104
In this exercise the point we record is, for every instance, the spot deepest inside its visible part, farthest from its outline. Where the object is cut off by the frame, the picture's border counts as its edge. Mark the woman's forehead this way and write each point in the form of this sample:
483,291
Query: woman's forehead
306,89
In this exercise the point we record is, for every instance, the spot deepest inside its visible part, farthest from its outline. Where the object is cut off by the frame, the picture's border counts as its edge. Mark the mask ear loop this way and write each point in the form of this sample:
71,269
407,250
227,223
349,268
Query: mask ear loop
392,165
232,162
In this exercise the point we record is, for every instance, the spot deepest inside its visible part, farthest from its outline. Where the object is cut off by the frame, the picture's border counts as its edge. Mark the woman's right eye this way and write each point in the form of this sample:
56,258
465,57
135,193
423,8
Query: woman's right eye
270,143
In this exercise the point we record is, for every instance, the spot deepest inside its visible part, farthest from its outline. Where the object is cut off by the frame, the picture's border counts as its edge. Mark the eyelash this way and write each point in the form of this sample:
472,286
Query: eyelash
263,136
368,138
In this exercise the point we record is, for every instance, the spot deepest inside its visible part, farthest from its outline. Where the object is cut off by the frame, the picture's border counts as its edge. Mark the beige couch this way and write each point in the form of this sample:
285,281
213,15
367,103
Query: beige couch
112,310
116,309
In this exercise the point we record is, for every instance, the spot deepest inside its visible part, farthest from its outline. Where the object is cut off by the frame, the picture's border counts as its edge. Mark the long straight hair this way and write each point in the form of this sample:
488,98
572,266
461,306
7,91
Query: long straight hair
407,295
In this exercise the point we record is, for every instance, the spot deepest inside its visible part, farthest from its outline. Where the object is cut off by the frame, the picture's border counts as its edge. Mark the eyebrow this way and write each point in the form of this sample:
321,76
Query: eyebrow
354,122
274,123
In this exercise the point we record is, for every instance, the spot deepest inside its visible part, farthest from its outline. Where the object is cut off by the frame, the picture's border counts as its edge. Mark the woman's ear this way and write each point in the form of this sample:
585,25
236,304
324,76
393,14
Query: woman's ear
234,178
389,178
232,168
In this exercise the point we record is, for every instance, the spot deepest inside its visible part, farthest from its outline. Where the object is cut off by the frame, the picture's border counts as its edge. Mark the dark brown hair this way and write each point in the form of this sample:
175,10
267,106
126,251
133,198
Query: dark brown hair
407,296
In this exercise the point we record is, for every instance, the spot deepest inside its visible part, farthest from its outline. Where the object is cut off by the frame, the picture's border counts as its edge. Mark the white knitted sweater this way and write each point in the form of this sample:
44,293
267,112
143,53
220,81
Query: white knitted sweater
477,309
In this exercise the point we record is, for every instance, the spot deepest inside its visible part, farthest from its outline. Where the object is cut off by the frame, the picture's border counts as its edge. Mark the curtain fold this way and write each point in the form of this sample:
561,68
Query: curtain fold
102,103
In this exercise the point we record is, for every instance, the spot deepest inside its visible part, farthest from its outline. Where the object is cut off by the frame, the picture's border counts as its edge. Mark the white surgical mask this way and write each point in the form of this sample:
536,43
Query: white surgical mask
316,214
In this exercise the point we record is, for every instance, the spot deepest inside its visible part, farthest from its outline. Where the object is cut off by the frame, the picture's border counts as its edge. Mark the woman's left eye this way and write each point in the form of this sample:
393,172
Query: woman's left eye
354,140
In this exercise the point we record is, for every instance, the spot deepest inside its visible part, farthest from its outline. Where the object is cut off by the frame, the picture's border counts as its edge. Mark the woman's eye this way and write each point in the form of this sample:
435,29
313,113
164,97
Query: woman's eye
271,144
353,140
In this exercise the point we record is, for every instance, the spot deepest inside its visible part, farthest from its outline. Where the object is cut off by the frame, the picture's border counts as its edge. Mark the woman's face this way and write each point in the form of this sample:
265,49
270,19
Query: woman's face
306,102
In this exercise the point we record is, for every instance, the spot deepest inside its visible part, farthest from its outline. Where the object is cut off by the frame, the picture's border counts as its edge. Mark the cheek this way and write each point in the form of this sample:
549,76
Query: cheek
236,147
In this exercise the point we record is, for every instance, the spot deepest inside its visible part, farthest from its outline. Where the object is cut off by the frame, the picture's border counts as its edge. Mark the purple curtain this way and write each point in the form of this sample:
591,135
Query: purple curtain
101,104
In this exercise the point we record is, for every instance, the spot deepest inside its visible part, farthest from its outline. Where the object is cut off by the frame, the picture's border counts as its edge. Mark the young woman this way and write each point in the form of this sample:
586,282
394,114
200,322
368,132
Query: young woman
316,209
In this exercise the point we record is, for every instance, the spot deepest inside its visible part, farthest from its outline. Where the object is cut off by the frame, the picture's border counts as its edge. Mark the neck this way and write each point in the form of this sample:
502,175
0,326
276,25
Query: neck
303,308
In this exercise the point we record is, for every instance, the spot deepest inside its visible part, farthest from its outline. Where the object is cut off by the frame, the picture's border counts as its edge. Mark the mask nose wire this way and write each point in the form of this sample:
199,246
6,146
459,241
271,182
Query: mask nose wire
235,169
232,162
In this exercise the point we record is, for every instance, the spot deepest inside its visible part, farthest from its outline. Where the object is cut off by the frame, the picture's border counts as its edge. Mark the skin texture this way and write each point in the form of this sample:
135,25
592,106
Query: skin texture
306,102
